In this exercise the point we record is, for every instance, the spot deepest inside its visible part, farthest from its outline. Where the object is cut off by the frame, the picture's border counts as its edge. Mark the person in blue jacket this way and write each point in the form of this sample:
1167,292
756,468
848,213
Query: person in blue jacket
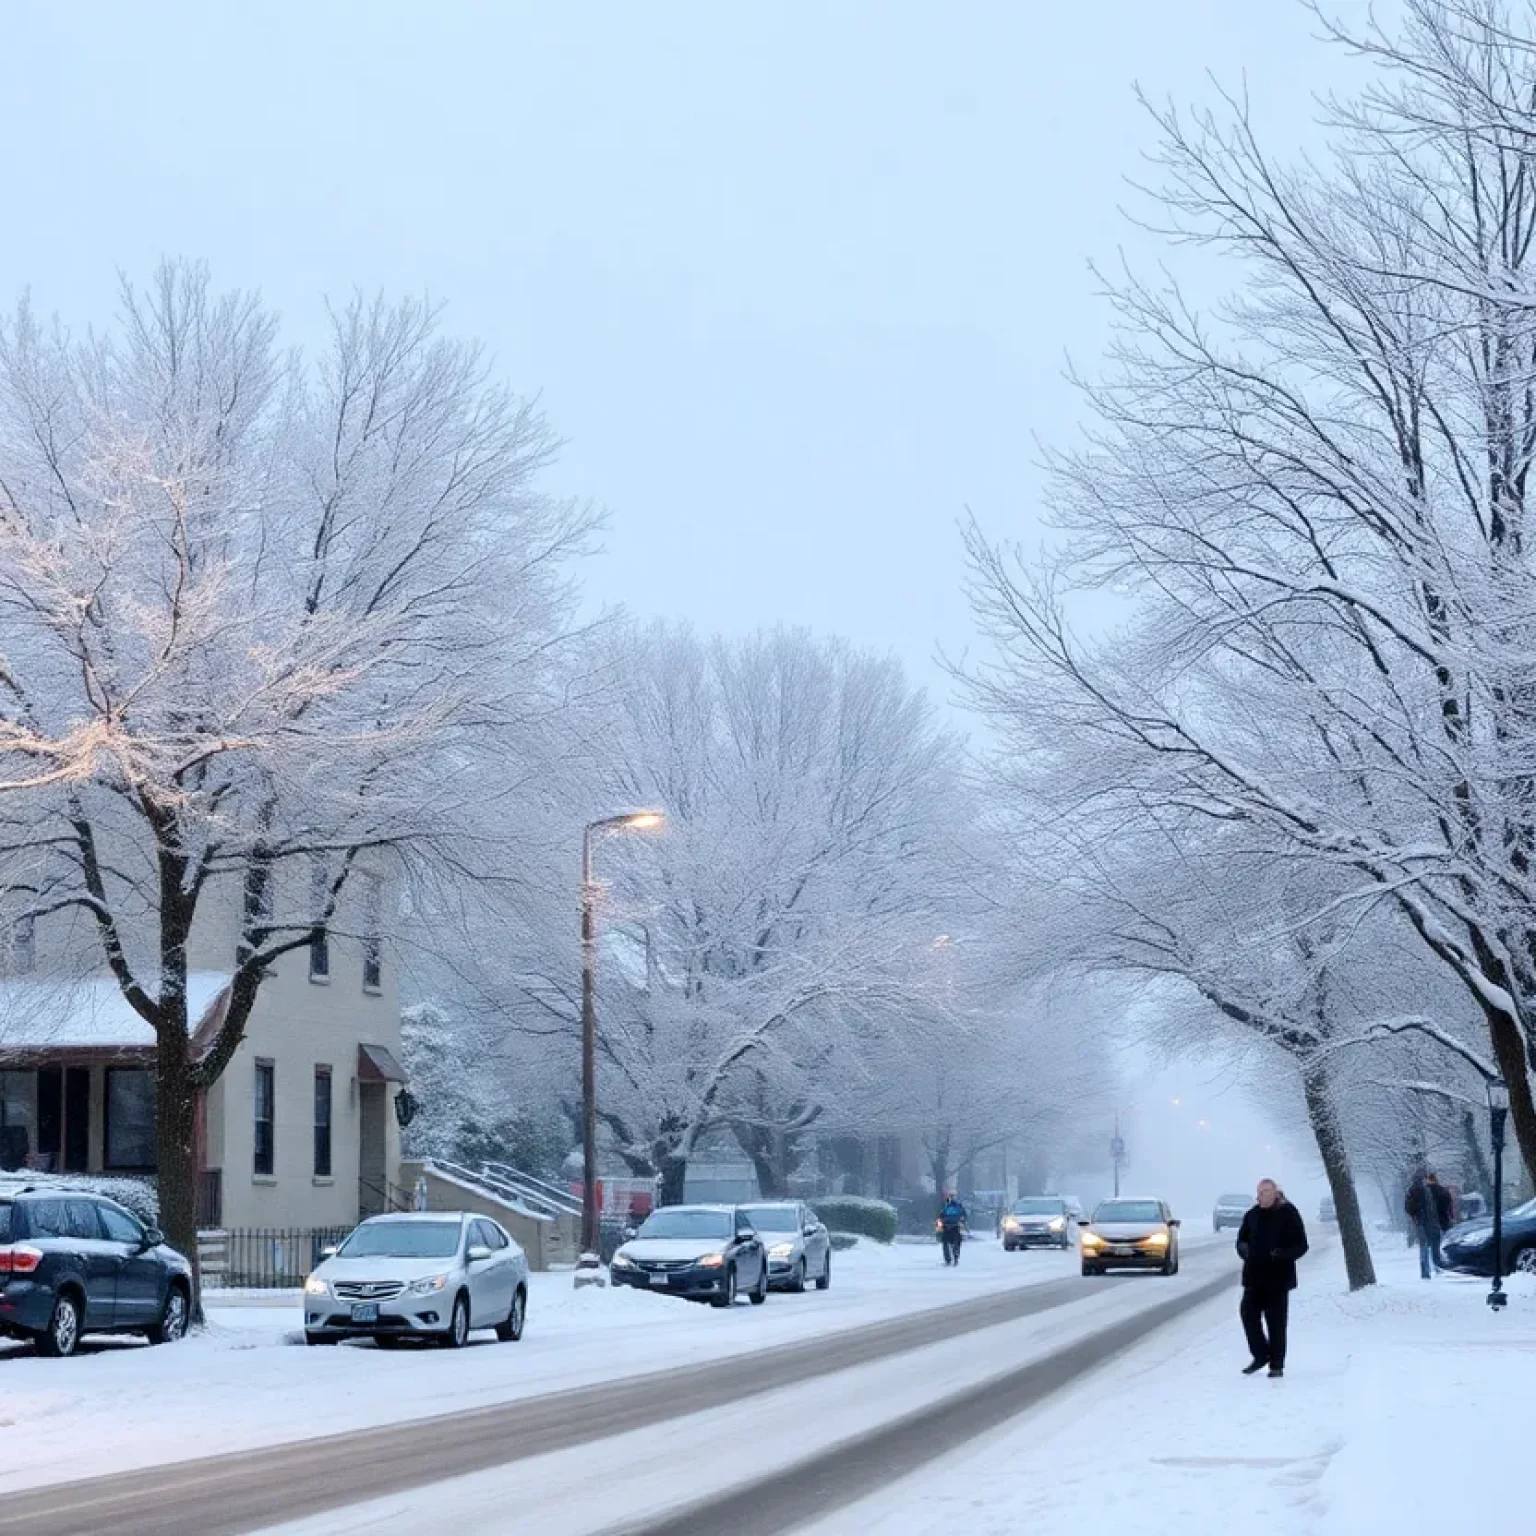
952,1217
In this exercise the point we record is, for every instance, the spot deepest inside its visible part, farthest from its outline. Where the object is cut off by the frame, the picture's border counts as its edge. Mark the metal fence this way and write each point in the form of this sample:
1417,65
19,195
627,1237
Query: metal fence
274,1258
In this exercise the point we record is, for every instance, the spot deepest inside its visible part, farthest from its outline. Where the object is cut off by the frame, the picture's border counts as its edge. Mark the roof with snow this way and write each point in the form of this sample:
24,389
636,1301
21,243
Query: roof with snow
90,1014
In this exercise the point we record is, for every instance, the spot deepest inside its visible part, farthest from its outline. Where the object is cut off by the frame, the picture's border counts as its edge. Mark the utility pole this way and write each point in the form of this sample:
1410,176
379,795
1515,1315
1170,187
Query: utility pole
1117,1153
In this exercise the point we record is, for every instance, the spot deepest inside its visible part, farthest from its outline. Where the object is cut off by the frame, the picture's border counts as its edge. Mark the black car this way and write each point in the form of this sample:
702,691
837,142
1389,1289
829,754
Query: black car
1469,1247
74,1263
704,1252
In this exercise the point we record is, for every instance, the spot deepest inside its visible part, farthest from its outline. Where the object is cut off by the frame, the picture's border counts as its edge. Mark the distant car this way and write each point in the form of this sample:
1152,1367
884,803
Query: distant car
433,1276
799,1246
1327,1212
1039,1221
72,1264
1468,1248
1140,1233
1230,1210
701,1252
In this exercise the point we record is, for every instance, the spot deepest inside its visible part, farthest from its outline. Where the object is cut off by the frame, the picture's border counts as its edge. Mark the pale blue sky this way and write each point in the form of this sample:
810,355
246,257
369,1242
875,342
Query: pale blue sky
796,280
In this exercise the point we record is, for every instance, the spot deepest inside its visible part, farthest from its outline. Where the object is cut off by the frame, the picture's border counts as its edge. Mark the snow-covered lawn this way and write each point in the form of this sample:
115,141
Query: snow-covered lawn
1401,1409
249,1381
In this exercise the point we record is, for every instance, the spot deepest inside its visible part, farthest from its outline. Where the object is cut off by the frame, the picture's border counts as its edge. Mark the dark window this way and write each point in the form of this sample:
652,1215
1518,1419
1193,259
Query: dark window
47,1218
130,1130
82,1220
77,1119
119,1226
320,944
373,931
322,1122
50,1118
266,1103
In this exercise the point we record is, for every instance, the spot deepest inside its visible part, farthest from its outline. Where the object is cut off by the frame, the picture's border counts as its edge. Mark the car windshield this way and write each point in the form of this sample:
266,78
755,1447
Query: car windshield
402,1240
1039,1208
1235,1200
685,1223
1128,1210
772,1218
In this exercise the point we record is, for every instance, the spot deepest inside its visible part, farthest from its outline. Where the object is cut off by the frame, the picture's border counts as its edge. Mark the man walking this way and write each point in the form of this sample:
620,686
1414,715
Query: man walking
952,1216
1428,1204
1269,1242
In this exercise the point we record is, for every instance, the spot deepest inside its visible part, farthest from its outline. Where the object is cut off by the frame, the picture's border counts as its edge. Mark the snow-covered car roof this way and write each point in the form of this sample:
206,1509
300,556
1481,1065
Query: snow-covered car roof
408,1216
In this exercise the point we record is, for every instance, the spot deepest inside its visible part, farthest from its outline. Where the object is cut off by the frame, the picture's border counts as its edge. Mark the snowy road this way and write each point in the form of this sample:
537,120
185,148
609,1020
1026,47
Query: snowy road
816,1375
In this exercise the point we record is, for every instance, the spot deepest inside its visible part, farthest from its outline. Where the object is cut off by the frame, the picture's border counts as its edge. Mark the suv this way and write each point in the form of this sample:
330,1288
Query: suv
73,1263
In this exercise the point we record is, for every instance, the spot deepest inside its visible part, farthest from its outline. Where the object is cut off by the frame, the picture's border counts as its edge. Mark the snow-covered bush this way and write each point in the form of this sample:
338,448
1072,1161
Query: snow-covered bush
852,1214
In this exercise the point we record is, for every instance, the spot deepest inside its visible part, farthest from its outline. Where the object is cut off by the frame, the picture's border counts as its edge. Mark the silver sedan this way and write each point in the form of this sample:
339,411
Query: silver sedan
799,1246
433,1275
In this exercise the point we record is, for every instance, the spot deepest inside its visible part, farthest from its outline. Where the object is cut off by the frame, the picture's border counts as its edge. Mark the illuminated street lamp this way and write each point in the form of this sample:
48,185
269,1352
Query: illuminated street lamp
589,1264
1498,1113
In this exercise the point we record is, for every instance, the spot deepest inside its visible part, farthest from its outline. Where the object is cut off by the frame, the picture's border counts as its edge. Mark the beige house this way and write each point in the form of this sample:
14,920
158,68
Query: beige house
301,1131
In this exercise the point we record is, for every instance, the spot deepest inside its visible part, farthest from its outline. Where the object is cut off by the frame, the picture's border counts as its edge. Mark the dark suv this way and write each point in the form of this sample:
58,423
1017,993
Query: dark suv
74,1263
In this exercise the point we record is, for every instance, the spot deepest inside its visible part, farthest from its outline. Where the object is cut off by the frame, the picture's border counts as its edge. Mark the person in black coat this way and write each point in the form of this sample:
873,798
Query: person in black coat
1428,1204
1269,1242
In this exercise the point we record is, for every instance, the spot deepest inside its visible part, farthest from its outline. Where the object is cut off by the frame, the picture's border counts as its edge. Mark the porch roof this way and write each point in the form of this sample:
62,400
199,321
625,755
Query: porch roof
89,1016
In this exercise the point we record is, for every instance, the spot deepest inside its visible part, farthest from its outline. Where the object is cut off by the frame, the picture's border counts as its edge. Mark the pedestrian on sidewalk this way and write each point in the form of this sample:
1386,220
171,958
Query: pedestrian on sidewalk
1428,1204
1269,1242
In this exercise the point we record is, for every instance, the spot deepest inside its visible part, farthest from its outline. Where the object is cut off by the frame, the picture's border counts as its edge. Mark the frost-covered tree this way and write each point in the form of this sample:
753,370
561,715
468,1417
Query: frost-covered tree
294,607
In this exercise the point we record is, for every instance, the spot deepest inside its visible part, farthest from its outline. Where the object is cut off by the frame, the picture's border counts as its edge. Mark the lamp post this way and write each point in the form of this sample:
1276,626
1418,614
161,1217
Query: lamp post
1498,1113
589,1264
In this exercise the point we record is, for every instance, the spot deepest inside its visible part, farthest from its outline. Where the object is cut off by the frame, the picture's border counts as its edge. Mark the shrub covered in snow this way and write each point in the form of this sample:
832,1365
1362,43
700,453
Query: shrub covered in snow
138,1195
855,1214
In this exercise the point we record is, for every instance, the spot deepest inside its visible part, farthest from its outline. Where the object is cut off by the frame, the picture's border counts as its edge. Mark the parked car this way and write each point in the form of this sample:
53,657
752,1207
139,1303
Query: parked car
1327,1212
1140,1233
1468,1248
425,1275
799,1245
1230,1210
77,1263
1039,1221
702,1252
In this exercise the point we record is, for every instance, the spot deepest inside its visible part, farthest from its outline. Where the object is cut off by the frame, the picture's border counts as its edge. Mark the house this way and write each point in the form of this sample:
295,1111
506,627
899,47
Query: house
302,1130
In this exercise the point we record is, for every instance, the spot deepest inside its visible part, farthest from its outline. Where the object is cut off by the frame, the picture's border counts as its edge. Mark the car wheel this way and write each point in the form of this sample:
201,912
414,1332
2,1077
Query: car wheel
728,1298
797,1285
173,1319
824,1279
511,1331
1523,1261
458,1325
1091,1269
322,1338
760,1295
62,1336
1009,1247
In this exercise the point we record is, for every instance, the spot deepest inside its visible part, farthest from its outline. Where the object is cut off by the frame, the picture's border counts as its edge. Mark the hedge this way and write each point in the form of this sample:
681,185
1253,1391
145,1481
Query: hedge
852,1213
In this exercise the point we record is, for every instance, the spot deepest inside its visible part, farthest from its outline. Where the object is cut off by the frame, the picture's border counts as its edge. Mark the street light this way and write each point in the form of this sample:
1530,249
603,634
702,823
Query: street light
589,1264
1498,1113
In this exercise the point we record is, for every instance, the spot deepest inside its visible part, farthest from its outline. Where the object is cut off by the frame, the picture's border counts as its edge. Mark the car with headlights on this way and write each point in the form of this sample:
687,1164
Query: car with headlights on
1468,1248
799,1246
433,1276
1230,1210
702,1252
1039,1221
1131,1233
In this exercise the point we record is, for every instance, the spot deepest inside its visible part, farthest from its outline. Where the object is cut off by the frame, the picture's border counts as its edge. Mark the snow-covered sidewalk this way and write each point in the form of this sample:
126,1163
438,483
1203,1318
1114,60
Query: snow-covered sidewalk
1392,1398
244,1382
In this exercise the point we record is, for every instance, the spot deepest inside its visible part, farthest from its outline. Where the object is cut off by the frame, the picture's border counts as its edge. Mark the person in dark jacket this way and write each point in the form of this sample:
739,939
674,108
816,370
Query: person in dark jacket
952,1218
1269,1242
1428,1204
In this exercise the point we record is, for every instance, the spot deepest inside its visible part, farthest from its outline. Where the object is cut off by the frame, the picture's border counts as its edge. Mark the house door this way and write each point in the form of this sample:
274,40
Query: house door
372,1170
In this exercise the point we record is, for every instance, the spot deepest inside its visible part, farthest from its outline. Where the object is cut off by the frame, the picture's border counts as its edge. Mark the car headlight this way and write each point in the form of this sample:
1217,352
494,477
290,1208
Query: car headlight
315,1286
1156,1240
1058,1224
712,1261
622,1260
781,1250
428,1286
1092,1240
1012,1223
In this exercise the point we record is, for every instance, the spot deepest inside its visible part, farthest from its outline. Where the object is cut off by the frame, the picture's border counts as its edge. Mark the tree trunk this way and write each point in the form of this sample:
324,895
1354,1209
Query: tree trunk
1475,1159
674,1172
1341,1180
176,1159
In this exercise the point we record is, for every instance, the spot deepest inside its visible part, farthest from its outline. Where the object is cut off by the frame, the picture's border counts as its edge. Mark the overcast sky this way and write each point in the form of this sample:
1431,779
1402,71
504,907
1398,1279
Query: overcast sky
796,281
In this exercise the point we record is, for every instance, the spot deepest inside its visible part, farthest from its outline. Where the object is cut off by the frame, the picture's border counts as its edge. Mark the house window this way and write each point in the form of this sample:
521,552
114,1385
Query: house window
373,933
320,944
322,1122
18,1096
130,1115
265,1104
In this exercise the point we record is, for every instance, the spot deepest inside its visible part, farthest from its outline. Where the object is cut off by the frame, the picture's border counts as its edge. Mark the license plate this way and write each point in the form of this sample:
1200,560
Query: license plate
365,1312
1122,1252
